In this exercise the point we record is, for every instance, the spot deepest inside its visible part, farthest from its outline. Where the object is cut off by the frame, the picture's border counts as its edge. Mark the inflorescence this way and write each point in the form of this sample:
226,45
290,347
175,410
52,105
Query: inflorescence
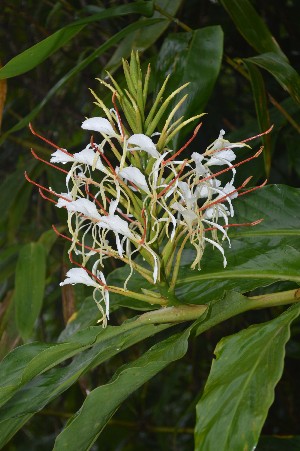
128,193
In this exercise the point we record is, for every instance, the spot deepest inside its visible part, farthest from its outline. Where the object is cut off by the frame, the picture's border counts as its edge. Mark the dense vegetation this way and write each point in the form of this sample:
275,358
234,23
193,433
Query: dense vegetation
241,59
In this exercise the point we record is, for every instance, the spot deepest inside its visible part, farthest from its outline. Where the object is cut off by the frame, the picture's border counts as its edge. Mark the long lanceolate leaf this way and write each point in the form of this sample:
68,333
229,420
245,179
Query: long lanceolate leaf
262,111
281,70
35,55
30,286
102,402
24,394
251,26
79,67
240,387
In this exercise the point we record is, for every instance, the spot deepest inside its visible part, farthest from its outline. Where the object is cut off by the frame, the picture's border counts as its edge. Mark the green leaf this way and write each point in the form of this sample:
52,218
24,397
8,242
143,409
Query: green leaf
193,57
35,55
251,26
30,360
30,286
281,70
82,65
262,111
259,255
128,379
143,38
240,386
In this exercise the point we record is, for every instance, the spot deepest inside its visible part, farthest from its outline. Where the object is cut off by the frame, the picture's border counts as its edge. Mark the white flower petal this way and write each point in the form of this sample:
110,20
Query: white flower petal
79,275
222,157
90,157
60,157
143,142
116,224
135,176
99,124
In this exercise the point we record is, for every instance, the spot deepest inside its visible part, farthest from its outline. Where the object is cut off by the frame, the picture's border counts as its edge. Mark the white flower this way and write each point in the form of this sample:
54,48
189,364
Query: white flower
116,224
188,215
135,176
221,157
200,168
229,188
81,205
189,198
99,124
207,188
88,156
61,157
79,275
143,142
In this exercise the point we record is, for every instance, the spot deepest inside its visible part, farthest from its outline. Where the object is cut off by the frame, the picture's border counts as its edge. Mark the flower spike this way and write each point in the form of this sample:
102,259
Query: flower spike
131,196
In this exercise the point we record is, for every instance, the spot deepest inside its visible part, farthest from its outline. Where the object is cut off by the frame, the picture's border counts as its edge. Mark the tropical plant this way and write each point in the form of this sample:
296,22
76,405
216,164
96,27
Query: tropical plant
165,265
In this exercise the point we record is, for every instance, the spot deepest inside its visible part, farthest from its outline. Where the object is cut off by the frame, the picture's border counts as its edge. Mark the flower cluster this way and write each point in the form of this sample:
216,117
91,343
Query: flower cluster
128,193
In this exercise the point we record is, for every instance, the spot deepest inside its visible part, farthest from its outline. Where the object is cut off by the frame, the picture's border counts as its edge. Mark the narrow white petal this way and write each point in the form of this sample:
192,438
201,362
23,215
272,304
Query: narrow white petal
99,124
60,157
90,157
135,176
79,275
143,142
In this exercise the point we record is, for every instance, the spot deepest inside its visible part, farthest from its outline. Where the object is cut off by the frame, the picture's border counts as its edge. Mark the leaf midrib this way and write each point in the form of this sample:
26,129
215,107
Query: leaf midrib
239,275
259,359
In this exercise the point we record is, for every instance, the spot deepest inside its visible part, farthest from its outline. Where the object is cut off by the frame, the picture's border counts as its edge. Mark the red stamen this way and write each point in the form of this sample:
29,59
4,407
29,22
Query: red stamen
118,114
172,181
46,197
260,134
229,168
219,200
79,243
142,240
47,162
44,188
184,146
253,189
226,226
48,142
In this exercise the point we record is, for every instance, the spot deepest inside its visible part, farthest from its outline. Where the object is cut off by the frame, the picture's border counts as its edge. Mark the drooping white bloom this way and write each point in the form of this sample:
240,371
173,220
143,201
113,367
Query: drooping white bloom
200,168
90,157
135,176
116,224
79,275
207,188
61,157
99,124
188,215
189,198
143,142
81,205
222,157
229,191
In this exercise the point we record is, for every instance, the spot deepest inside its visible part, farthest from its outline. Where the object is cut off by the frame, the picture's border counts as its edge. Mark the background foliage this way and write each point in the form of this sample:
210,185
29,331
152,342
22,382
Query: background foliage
246,80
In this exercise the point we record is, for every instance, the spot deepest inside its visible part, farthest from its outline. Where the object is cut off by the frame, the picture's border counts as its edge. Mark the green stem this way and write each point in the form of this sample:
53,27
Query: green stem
171,18
235,304
141,297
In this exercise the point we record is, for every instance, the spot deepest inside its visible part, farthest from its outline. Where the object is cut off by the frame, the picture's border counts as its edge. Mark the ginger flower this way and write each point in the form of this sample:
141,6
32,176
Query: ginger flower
132,195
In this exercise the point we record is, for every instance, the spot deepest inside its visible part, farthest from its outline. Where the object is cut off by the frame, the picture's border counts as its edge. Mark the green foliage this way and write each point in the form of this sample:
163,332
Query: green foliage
240,386
141,381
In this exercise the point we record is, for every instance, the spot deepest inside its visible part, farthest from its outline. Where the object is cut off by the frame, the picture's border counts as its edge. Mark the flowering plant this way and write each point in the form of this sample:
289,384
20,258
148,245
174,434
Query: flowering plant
128,192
